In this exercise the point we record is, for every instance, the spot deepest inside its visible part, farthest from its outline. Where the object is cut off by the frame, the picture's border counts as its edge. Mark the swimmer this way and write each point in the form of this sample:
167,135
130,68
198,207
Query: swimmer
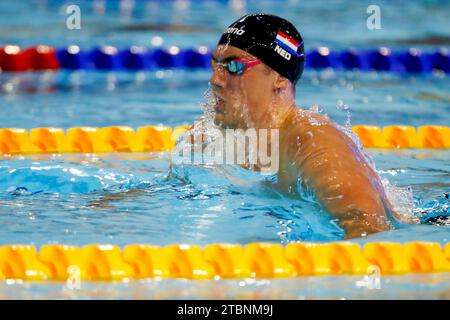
256,65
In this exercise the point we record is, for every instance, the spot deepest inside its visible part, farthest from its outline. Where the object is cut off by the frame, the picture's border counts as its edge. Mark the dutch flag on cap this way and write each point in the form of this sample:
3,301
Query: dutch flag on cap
287,43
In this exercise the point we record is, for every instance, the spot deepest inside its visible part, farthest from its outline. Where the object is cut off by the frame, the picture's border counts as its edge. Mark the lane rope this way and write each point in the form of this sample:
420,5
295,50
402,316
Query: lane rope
18,141
43,57
254,260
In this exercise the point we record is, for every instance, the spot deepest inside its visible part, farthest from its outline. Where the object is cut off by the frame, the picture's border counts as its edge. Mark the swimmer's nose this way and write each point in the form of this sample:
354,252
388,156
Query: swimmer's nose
218,78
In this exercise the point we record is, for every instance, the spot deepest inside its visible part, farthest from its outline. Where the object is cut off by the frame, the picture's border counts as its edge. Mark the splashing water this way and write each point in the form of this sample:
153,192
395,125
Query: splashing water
401,199
345,107
435,211
207,105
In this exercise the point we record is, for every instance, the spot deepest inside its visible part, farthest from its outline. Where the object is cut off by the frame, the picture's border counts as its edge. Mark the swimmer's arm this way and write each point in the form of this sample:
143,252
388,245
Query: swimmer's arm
345,186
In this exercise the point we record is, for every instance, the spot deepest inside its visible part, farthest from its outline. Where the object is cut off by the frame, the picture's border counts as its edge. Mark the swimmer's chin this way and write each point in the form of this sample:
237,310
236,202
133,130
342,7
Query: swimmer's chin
220,122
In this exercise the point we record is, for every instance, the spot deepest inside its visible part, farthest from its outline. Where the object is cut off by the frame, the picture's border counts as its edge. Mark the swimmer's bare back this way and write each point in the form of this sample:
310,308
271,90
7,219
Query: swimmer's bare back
332,166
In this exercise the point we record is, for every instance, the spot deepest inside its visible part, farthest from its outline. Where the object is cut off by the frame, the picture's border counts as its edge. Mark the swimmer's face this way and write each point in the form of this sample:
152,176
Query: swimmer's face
240,98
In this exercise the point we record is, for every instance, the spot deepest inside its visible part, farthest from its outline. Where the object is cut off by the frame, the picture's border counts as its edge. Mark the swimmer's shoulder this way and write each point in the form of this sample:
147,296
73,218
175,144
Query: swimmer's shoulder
311,133
305,124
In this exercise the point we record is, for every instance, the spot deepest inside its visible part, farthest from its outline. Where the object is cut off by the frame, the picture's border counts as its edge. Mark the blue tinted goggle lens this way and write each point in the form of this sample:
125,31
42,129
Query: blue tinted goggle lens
233,67
236,67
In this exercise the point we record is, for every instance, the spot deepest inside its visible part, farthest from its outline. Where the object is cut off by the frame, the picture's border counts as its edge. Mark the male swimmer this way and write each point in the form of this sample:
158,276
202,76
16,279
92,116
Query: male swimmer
256,65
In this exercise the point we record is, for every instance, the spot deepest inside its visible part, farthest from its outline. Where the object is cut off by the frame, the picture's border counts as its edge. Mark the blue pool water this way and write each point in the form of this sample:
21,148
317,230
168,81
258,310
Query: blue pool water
140,198
136,198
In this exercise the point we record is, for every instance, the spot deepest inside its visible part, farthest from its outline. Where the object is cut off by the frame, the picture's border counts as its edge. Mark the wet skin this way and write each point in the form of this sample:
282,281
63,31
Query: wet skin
311,146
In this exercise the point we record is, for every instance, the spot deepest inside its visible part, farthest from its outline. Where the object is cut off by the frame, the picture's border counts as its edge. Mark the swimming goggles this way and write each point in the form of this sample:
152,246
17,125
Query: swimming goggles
237,66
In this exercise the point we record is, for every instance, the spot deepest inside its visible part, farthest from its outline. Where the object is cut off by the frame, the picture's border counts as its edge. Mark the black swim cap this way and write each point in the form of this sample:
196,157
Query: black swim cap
272,39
